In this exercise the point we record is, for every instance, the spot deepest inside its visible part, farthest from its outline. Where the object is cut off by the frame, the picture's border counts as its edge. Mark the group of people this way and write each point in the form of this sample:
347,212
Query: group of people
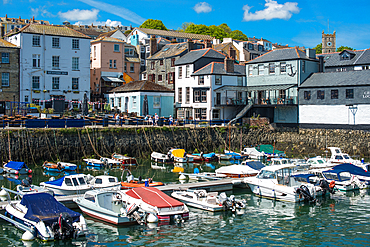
154,120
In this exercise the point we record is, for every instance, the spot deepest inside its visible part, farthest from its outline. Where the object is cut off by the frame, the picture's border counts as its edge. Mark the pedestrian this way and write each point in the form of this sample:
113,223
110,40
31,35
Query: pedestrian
117,118
156,118
151,120
170,120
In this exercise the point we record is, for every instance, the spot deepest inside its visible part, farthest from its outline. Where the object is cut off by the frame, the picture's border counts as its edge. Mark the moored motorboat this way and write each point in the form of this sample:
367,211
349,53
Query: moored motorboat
41,215
132,182
111,163
108,206
247,168
125,160
209,201
209,157
152,200
94,162
16,167
162,158
179,156
59,166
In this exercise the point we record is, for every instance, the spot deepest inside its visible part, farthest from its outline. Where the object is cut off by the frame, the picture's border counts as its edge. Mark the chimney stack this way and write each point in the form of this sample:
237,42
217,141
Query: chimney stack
232,53
311,53
207,44
2,31
321,64
153,45
229,65
190,45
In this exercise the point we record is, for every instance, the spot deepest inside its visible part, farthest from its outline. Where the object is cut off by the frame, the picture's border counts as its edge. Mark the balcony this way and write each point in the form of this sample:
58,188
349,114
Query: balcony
230,101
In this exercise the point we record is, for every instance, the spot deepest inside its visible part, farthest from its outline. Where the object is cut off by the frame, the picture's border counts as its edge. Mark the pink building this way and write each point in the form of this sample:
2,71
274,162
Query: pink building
113,64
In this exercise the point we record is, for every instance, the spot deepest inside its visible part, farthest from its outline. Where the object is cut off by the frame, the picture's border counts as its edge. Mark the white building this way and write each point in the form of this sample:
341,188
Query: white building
54,64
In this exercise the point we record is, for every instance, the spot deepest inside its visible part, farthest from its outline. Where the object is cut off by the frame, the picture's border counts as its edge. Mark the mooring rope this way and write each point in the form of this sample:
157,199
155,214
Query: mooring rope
147,140
29,146
56,146
79,137
49,145
96,152
10,155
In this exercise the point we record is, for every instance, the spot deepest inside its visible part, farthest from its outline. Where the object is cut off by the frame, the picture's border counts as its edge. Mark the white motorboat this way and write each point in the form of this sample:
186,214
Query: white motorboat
247,168
338,157
253,153
224,157
162,158
209,201
318,162
94,162
179,155
108,206
41,215
79,184
276,182
108,162
152,200
15,167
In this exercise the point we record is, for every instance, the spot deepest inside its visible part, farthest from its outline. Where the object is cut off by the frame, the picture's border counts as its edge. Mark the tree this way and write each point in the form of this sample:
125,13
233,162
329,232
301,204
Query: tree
342,48
318,48
153,24
184,26
225,27
238,35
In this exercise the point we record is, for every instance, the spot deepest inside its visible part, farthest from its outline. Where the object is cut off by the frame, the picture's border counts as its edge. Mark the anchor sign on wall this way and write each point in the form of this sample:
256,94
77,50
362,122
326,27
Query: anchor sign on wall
291,70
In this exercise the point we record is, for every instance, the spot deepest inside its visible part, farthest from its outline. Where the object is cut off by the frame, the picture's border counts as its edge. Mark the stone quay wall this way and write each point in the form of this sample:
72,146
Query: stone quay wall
37,145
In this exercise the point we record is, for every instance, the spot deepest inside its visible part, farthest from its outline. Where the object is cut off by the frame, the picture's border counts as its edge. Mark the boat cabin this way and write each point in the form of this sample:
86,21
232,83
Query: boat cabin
282,173
280,161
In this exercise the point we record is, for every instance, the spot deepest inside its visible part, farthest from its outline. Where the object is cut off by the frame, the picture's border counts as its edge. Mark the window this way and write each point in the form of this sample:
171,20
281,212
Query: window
283,67
320,94
303,66
55,62
116,48
272,68
345,56
36,60
26,98
187,100
76,44
260,48
152,65
133,101
132,67
218,80
35,101
115,64
349,93
35,82
160,78
200,113
75,83
129,51
5,79
94,52
172,77
334,94
261,69
250,46
216,114
172,62
75,63
187,73
35,40
201,80
240,80
307,95
55,42
156,102
55,81
111,63
200,96
179,99
5,57
125,67
180,72
160,62
203,96
250,69
119,102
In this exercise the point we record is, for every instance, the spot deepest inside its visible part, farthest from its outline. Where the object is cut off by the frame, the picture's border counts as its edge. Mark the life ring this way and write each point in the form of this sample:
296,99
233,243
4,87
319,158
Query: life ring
332,184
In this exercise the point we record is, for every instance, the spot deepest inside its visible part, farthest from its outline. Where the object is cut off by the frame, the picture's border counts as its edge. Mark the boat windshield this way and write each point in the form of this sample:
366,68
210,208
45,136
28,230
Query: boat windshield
345,176
283,176
338,157
346,157
81,181
331,176
266,175
320,161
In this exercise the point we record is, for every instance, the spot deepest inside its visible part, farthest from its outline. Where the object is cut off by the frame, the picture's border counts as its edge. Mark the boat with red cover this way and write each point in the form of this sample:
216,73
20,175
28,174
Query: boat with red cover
152,200
125,160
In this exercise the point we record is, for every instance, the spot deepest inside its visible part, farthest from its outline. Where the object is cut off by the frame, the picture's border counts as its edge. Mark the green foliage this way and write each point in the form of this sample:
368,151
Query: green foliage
342,48
153,24
184,26
218,32
225,27
318,48
238,35
127,32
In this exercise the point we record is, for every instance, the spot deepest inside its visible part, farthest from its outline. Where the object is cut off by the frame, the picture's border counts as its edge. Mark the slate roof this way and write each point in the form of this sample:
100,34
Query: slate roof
50,30
170,50
4,43
218,68
174,34
334,59
281,55
107,39
194,55
144,86
337,79
110,33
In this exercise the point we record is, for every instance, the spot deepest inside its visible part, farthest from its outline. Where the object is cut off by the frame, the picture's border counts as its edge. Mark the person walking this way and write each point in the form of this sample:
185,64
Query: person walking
170,120
156,118
151,120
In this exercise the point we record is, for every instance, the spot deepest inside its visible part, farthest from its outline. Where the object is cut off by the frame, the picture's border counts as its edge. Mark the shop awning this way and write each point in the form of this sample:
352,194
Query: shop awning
231,88
112,79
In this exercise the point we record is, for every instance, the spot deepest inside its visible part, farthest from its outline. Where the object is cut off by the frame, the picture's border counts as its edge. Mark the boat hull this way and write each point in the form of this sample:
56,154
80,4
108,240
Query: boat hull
282,194
112,219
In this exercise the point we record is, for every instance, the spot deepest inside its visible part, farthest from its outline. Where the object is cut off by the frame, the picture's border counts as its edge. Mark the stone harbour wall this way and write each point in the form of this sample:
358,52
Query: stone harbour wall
38,145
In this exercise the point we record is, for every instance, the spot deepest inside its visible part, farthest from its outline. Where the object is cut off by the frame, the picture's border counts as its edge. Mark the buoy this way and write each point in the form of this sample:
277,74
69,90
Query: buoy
27,235
182,177
29,171
4,195
152,218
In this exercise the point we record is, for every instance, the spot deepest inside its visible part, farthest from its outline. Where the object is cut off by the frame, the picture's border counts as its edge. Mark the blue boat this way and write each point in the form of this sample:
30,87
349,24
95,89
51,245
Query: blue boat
16,167
59,167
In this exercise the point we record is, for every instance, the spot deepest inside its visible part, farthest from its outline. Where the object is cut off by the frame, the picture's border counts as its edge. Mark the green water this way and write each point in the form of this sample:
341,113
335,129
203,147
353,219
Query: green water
342,220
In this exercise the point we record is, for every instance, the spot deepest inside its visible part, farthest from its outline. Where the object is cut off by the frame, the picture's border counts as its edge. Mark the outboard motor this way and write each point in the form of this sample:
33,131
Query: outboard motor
325,187
304,191
177,218
64,229
133,212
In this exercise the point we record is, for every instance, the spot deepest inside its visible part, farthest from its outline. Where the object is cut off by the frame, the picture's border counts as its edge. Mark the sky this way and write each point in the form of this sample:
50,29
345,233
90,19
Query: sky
296,23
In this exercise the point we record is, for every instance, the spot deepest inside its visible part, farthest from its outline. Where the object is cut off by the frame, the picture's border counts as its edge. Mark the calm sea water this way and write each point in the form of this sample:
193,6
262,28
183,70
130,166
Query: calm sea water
342,220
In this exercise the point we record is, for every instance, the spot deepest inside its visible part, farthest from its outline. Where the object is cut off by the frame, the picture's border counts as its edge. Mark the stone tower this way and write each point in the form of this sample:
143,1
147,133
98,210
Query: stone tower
328,42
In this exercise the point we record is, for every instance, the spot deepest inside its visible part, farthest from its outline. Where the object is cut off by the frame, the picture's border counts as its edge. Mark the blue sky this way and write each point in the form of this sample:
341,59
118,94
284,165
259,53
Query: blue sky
296,23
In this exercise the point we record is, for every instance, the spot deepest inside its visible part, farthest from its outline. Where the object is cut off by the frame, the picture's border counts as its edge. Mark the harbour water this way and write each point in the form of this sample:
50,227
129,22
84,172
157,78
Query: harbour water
342,220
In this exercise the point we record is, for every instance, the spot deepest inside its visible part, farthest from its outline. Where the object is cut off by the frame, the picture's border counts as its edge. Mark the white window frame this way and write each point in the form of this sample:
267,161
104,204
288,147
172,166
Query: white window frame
75,82
55,62
116,48
75,63
36,40
55,42
36,81
36,60
5,79
5,57
156,102
55,83
133,101
76,44
261,69
187,72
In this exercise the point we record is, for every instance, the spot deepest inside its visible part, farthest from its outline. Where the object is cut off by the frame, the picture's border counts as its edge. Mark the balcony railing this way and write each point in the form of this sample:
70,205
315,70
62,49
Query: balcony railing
229,101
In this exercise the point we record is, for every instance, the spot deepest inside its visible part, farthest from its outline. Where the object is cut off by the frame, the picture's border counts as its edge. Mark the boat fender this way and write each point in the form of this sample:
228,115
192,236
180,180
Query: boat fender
151,218
27,236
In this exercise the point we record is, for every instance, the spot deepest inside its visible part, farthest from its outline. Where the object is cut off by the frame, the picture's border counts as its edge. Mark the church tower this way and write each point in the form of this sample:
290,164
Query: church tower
328,43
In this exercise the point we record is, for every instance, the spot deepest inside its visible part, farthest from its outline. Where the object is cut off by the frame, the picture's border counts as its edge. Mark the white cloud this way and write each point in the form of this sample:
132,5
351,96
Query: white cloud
79,15
202,7
273,10
101,23
41,11
116,10
6,1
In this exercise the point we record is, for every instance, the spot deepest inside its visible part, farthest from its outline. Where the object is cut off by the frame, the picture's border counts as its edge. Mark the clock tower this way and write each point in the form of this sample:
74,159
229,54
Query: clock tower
328,43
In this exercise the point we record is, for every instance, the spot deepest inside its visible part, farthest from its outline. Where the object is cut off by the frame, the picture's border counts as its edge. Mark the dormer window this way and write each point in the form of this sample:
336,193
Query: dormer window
345,56
260,47
250,46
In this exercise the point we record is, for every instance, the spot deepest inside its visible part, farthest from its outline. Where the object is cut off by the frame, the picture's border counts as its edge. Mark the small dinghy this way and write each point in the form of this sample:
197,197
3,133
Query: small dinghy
41,215
209,201
125,160
162,158
16,167
108,206
94,162
132,182
59,167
